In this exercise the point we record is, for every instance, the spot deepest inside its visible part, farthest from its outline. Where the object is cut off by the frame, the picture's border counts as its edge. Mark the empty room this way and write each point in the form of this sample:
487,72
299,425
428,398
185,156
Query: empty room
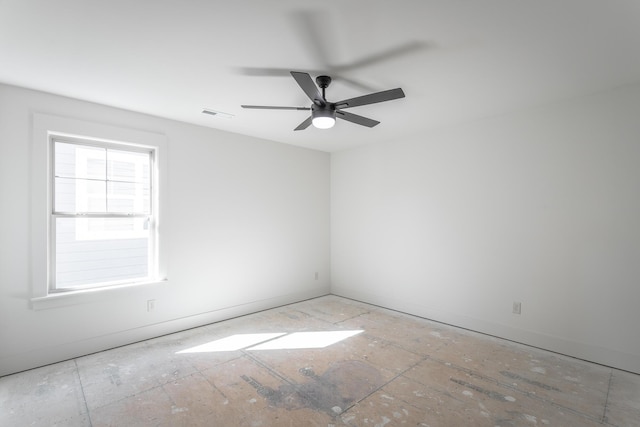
343,213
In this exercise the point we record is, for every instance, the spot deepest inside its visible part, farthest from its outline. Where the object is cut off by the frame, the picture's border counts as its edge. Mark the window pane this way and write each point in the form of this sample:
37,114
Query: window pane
128,166
125,197
98,250
79,161
79,195
92,251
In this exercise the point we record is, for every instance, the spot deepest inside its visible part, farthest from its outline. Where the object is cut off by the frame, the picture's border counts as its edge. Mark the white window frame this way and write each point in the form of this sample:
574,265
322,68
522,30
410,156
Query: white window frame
47,128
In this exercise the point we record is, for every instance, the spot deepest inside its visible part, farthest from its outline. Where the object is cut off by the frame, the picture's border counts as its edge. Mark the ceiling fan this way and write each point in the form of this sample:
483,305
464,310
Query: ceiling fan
323,112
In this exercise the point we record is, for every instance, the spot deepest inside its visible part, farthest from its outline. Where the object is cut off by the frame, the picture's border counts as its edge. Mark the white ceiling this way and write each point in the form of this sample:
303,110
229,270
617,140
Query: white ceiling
457,60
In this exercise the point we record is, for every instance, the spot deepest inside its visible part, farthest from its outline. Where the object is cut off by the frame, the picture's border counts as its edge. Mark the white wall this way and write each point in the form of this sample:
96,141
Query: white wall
541,207
249,227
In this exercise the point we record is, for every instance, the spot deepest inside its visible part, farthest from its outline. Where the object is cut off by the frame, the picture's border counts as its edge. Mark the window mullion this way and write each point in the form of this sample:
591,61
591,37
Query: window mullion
106,179
99,215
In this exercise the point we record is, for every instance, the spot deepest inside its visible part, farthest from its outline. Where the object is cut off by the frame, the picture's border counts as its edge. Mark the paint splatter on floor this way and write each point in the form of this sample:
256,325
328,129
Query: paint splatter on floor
343,384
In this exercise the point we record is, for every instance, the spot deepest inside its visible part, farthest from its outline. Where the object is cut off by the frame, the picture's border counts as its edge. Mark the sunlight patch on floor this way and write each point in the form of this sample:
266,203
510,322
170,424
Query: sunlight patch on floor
273,341
232,343
299,340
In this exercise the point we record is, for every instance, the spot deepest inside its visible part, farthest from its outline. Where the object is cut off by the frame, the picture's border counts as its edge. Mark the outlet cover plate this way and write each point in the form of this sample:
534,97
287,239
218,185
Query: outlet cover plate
517,307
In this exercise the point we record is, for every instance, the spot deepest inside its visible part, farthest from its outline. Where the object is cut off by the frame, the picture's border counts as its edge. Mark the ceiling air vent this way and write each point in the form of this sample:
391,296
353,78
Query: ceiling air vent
217,113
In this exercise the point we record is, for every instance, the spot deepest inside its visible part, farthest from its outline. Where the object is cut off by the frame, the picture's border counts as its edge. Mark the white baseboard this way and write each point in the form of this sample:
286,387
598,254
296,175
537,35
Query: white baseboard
46,356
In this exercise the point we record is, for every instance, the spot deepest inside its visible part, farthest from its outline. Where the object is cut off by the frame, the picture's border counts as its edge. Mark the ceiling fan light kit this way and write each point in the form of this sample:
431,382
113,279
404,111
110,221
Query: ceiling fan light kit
323,118
323,112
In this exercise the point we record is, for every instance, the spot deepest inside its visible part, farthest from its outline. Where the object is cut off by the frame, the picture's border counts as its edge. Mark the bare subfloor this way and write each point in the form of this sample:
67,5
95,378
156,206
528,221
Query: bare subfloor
324,362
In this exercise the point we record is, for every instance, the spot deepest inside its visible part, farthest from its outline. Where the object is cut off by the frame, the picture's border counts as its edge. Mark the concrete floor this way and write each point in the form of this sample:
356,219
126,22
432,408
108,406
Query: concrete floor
400,370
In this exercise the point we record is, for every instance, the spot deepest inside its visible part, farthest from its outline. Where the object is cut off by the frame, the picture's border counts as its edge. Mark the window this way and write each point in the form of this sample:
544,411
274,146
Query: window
102,229
99,211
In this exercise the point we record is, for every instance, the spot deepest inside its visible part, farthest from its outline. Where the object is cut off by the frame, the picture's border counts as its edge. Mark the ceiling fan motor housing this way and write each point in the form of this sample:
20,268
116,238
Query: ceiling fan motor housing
323,81
323,116
327,110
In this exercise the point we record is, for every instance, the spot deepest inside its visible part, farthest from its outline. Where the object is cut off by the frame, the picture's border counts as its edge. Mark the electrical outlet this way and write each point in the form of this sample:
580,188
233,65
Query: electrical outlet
151,305
517,307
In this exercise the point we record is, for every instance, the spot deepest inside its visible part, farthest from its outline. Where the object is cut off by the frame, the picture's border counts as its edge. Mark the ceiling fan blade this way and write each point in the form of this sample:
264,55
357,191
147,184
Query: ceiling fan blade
305,124
309,87
271,72
354,118
372,98
384,56
270,107
285,72
316,34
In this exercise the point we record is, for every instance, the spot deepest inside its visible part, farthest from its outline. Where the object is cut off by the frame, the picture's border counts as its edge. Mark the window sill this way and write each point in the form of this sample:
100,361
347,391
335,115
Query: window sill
84,296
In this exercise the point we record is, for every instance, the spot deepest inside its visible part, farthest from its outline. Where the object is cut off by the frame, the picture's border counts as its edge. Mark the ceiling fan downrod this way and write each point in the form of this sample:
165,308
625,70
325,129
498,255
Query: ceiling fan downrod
323,83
